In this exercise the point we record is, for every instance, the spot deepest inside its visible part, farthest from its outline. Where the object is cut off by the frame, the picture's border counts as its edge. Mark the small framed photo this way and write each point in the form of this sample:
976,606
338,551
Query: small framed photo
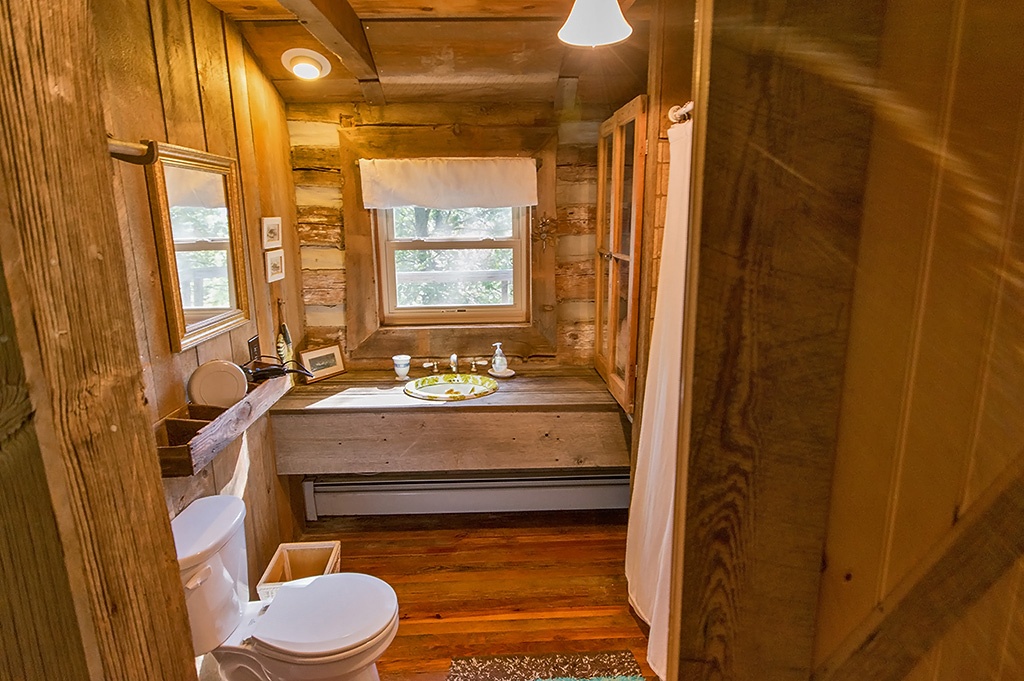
275,265
323,362
271,233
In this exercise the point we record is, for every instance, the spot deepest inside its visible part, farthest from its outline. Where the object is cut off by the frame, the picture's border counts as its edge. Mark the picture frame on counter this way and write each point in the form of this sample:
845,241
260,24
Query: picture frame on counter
323,362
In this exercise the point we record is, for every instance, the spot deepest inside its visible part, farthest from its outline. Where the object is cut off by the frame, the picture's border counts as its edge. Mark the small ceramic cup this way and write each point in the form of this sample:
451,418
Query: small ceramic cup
401,366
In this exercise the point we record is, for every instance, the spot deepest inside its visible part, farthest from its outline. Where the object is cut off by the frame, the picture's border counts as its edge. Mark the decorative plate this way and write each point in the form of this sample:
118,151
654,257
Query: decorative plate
218,383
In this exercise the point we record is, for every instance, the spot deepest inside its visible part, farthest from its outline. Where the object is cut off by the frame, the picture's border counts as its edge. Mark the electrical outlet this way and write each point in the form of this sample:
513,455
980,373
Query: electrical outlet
254,348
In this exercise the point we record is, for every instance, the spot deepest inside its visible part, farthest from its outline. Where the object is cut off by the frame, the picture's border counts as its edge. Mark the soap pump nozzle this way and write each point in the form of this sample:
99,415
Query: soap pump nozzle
499,363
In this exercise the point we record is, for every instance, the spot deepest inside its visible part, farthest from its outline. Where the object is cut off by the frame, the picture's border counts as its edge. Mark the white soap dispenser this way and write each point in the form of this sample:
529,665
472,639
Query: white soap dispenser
499,363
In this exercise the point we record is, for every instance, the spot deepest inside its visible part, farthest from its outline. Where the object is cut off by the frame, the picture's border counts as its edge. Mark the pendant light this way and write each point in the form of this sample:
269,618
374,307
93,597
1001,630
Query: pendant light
595,22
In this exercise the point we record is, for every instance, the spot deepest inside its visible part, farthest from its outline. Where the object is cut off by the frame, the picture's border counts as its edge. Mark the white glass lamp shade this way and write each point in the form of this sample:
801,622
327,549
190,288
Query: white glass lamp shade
595,22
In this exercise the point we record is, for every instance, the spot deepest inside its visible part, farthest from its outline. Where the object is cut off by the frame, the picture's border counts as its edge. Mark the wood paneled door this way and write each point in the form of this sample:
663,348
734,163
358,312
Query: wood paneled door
621,157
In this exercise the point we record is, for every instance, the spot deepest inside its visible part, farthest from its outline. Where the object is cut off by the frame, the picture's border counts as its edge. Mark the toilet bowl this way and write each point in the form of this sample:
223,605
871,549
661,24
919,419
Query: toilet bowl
333,627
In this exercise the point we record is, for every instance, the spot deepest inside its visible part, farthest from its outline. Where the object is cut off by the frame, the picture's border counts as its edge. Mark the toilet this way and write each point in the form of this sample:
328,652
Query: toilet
332,627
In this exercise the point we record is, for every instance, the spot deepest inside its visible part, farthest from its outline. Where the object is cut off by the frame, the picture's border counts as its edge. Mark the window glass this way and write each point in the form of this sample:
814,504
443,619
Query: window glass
626,216
462,265
413,222
476,276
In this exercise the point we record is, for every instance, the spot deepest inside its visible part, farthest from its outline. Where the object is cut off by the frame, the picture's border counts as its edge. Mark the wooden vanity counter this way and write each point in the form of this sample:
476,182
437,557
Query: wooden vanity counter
363,422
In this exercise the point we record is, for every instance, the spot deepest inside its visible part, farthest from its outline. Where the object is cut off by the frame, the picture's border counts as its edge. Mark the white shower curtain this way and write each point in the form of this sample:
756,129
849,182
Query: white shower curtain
649,537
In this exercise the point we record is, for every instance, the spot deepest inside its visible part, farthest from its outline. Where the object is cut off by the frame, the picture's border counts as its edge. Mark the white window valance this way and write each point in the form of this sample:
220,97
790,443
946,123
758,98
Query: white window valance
449,182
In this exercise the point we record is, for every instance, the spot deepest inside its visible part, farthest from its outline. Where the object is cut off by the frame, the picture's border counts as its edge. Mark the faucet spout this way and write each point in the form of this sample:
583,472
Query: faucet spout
454,359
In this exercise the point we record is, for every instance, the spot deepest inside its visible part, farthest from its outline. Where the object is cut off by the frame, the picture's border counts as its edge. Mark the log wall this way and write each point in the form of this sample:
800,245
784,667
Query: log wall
178,71
318,134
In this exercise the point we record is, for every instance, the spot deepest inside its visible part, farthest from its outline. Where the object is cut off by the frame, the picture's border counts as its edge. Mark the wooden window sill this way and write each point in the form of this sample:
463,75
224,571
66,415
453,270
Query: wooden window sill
468,340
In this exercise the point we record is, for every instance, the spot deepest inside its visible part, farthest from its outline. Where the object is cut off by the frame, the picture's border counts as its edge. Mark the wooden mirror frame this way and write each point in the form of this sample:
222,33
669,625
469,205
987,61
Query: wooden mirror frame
181,336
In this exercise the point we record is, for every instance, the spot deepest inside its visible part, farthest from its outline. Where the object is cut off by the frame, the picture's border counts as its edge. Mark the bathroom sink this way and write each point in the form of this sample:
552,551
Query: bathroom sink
451,387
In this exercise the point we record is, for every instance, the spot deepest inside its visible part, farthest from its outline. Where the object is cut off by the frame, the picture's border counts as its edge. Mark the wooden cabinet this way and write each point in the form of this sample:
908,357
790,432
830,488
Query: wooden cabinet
622,152
560,421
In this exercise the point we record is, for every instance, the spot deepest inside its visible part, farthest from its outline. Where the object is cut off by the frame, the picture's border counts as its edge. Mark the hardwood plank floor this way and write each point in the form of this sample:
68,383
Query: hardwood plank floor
494,584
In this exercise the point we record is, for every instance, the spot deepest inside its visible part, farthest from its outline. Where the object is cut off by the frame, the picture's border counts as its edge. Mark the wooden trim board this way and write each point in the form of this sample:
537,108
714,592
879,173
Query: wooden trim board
983,545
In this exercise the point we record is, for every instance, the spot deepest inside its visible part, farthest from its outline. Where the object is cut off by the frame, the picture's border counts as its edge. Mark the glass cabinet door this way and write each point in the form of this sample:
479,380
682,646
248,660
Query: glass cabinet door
621,159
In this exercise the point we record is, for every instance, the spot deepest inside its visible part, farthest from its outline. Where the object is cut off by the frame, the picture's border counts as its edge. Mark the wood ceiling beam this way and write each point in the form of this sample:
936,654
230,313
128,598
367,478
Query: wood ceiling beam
335,24
983,544
516,10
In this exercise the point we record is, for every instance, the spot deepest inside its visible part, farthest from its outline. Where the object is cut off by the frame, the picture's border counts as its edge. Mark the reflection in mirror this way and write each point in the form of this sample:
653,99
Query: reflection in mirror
202,239
194,199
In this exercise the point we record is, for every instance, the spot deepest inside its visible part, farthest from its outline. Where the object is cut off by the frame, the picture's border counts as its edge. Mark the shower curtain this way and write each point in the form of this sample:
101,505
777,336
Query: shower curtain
649,535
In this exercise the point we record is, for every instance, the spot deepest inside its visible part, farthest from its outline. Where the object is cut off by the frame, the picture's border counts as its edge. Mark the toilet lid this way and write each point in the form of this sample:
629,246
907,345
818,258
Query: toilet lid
204,527
322,616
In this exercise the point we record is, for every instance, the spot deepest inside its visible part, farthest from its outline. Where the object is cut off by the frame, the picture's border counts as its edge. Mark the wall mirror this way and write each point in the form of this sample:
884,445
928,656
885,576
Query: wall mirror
197,215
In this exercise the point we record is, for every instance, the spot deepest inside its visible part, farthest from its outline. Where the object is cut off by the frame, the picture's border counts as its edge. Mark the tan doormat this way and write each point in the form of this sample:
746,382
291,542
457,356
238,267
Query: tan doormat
619,665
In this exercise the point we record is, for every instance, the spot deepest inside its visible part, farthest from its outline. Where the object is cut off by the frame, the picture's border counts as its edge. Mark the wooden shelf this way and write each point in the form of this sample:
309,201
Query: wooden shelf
189,439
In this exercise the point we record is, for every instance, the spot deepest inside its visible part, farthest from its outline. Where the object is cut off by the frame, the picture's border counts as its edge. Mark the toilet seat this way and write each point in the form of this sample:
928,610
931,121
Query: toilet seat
326,617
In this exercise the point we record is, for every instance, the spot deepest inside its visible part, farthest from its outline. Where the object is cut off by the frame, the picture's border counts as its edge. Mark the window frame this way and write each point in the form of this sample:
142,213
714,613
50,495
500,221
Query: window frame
387,245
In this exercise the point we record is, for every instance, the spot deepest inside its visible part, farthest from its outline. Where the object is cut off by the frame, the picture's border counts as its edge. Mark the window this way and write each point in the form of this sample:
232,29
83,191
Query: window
454,265
452,237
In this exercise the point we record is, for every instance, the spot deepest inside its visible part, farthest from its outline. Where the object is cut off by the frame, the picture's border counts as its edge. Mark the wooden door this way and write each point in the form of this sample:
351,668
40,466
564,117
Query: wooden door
622,152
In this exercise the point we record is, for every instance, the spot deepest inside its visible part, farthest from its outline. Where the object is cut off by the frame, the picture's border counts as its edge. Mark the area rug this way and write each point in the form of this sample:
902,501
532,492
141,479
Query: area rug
619,665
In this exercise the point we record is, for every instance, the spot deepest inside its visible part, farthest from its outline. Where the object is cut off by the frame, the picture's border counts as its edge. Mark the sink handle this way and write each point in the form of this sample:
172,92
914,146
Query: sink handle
431,365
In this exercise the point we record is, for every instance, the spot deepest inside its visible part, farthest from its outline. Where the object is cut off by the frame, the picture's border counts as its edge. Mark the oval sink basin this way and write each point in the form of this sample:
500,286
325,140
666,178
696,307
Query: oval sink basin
451,387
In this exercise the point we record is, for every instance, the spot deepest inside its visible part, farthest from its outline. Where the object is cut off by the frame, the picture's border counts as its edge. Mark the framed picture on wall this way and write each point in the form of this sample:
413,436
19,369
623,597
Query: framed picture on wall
271,233
275,265
323,362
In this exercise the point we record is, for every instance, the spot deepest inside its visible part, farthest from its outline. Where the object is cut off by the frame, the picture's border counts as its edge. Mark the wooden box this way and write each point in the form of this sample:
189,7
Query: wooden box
189,439
297,560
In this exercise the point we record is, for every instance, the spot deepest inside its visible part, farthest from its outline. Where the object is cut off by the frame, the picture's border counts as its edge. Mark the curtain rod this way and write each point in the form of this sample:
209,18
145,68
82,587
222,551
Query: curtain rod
681,114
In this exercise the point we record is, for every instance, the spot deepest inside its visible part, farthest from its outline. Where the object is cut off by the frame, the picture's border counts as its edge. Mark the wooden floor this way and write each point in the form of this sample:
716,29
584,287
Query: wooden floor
498,584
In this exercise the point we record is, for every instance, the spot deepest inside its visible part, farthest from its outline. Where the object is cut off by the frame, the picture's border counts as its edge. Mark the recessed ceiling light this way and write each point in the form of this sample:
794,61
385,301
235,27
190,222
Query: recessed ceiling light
594,22
306,64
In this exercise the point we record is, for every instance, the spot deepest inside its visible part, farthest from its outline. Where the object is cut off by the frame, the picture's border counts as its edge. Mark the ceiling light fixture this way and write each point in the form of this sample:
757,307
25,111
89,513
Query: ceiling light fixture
306,68
595,22
305,64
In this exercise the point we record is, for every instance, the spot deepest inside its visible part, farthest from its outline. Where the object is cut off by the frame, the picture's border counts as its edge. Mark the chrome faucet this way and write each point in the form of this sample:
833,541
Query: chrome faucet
454,360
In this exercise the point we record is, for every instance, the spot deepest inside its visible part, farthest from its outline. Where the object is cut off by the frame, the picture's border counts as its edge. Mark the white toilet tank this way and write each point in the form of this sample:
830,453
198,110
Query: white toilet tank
210,541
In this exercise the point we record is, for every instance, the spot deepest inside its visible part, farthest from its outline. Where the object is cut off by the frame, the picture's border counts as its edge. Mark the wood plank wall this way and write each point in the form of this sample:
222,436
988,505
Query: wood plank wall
316,131
87,591
783,169
932,392
177,71
669,83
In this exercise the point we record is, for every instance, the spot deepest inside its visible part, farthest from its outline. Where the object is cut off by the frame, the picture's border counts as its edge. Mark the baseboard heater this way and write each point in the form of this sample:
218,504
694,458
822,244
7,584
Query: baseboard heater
327,497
